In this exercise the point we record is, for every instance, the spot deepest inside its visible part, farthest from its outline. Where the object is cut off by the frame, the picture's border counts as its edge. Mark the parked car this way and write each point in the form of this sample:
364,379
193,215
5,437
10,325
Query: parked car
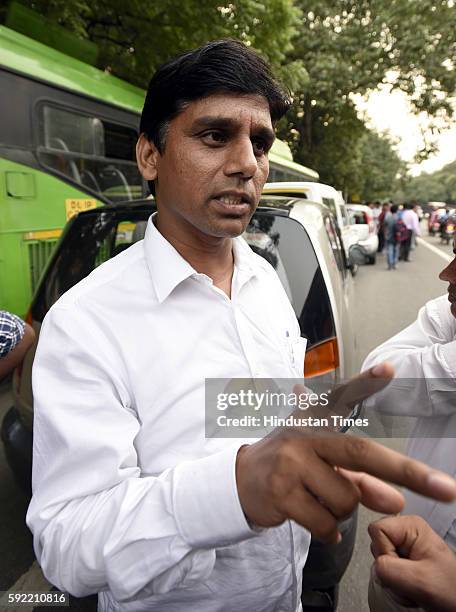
362,223
330,197
298,238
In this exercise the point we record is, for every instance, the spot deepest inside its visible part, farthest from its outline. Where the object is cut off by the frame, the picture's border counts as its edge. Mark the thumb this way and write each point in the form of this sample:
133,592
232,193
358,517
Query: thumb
362,386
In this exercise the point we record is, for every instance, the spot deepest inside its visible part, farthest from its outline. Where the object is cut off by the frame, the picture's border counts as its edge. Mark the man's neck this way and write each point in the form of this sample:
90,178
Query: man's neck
211,256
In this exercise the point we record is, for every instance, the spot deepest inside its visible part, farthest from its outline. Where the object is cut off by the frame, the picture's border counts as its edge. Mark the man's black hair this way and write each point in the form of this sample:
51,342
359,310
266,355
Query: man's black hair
394,208
219,66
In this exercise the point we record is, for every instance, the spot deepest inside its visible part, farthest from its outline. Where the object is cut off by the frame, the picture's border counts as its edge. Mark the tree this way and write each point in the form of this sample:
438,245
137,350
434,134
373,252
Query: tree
439,186
324,50
381,166
135,37
351,46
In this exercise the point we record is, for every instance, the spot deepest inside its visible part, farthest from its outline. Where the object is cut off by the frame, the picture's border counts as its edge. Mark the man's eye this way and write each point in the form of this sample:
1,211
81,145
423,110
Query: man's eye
260,146
214,137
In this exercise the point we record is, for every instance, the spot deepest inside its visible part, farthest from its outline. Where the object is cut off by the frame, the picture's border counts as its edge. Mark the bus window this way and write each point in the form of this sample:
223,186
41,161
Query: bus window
96,154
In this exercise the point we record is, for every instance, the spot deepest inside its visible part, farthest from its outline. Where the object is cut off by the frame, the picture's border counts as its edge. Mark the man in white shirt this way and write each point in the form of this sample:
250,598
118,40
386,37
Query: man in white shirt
412,223
130,499
426,350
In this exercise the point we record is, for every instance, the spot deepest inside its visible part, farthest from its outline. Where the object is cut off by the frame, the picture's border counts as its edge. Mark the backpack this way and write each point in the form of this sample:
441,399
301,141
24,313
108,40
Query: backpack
400,231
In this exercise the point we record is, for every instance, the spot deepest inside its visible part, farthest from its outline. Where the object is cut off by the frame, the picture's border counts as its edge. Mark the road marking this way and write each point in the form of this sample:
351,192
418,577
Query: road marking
32,580
435,250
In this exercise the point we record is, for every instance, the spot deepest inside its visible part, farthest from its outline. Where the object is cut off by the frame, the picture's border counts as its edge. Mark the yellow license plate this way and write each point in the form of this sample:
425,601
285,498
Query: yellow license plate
73,206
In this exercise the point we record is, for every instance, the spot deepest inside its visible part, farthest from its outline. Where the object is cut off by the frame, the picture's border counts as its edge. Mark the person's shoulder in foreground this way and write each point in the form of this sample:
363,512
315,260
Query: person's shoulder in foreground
427,347
424,357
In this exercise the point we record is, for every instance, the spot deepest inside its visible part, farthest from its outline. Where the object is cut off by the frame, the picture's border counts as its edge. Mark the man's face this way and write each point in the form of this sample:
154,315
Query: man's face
449,275
210,176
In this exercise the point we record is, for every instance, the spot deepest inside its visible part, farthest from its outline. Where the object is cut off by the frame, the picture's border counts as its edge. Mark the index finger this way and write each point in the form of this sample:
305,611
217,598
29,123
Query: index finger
364,455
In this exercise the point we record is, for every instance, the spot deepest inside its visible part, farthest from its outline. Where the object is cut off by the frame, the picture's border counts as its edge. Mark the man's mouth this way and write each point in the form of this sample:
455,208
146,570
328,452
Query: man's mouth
237,203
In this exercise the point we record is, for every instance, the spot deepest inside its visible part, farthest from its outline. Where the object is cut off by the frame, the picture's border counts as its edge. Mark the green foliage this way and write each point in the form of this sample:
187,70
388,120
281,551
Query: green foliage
382,168
438,186
135,37
324,51
351,46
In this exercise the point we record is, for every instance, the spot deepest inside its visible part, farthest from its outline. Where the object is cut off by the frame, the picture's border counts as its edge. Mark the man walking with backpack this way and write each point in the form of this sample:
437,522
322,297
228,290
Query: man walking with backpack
391,228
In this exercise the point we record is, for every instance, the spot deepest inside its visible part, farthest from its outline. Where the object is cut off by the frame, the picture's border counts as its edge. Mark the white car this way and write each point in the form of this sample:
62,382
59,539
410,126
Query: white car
362,223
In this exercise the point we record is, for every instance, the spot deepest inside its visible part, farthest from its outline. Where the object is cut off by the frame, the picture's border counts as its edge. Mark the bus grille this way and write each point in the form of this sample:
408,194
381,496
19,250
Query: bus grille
39,252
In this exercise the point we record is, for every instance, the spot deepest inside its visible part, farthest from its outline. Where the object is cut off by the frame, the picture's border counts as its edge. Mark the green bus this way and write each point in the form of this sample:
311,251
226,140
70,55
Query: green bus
67,143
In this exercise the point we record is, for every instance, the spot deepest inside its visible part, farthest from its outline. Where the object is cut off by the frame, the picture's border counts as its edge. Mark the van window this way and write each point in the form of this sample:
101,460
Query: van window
95,154
345,216
336,245
285,244
331,204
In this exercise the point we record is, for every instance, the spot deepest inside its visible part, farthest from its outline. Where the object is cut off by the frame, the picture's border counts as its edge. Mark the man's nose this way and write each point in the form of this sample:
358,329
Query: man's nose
448,274
242,159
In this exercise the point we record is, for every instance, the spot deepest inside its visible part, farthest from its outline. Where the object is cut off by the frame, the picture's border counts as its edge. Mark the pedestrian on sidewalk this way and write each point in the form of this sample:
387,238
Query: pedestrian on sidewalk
380,227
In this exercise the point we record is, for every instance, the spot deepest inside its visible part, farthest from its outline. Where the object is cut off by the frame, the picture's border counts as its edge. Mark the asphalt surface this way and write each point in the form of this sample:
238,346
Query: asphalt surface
386,301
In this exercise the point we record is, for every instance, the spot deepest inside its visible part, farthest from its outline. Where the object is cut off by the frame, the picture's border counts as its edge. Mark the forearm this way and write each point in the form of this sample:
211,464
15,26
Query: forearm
144,535
423,356
422,385
15,357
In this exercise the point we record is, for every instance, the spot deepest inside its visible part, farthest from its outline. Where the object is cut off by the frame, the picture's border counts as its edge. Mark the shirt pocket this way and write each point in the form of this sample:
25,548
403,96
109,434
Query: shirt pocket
296,352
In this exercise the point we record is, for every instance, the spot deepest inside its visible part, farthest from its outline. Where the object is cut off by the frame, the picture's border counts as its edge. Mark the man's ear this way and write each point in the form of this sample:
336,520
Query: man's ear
147,156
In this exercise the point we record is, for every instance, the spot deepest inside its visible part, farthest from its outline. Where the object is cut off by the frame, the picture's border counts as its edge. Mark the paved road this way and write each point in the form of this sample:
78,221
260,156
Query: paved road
385,303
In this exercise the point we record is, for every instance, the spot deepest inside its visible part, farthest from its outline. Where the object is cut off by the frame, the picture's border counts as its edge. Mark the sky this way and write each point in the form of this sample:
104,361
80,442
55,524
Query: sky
391,112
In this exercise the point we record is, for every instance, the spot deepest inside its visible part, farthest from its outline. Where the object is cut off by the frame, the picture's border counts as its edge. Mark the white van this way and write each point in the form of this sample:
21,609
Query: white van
333,199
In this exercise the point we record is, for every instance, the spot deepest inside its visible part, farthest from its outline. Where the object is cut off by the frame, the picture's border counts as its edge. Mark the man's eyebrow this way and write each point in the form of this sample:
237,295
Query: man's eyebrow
226,123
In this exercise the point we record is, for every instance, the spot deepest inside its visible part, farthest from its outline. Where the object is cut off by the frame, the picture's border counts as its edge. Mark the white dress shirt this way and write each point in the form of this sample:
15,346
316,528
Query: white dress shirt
130,499
426,350
411,221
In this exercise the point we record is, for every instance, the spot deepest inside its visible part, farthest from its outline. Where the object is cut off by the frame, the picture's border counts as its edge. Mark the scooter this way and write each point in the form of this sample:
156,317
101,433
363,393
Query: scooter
448,229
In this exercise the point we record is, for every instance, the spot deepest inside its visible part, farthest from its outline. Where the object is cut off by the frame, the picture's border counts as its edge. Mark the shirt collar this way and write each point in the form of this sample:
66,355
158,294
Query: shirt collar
168,268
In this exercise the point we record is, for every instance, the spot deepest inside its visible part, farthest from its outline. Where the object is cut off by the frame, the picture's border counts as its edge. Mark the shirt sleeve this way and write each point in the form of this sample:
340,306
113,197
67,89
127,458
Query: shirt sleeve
424,360
97,522
11,332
